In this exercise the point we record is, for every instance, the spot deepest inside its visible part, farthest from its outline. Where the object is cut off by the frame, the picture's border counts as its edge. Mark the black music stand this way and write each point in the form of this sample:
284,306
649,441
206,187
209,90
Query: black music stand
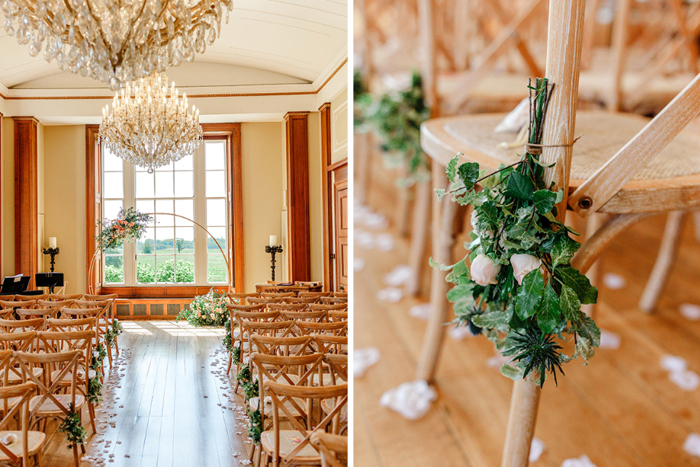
49,279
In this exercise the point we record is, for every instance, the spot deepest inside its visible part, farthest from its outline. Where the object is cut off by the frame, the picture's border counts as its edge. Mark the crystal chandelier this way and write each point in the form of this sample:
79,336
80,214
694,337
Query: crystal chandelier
116,41
151,128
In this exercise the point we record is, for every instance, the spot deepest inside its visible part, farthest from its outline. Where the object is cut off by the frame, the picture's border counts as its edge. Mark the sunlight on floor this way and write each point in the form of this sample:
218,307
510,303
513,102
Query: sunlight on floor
134,328
183,328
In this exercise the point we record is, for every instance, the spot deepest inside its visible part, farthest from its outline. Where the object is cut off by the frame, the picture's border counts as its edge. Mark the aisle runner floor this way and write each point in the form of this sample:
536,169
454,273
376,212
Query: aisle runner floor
167,403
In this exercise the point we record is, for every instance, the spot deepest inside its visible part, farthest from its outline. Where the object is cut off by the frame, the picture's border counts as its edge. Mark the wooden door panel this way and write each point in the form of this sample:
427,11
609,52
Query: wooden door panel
341,207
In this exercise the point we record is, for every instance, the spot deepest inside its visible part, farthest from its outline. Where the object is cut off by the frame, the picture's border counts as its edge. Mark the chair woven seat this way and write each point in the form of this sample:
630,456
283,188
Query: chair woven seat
603,134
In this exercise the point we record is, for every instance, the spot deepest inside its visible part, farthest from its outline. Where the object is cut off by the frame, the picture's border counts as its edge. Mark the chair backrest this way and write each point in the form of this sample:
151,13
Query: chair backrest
20,395
329,307
277,294
67,362
298,300
287,306
13,325
338,366
18,341
31,297
99,298
12,305
289,345
72,313
334,329
264,301
285,396
239,307
340,294
65,341
334,300
54,303
241,297
67,324
319,316
61,297
331,447
268,328
330,344
315,294
337,315
33,313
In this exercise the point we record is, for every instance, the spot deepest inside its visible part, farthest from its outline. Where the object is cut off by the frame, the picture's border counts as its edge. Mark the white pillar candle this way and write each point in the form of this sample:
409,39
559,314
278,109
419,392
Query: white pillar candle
273,240
52,242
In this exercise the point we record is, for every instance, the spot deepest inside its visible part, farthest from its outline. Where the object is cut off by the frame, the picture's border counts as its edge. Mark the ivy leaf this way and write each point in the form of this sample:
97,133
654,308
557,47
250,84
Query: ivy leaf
544,200
489,213
440,193
492,320
460,269
436,265
549,313
585,292
570,304
459,292
586,327
564,249
519,186
451,169
529,294
468,173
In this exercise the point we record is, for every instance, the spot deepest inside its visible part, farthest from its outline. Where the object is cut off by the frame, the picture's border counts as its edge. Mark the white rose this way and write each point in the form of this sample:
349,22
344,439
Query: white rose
474,220
484,270
523,264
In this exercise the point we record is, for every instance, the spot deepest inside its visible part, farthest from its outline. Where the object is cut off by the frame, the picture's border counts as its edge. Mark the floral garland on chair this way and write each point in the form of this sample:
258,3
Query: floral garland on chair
72,426
522,291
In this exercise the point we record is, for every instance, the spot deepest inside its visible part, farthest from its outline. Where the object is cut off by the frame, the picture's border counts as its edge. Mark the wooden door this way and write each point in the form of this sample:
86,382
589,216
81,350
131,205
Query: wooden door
341,206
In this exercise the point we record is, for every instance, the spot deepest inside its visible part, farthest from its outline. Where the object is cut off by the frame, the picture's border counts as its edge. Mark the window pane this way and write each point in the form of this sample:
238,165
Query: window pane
111,162
184,240
145,205
184,184
114,269
113,185
145,269
184,207
164,240
215,152
164,206
111,208
185,269
165,168
216,184
165,269
184,163
216,268
146,245
164,184
219,233
144,185
216,212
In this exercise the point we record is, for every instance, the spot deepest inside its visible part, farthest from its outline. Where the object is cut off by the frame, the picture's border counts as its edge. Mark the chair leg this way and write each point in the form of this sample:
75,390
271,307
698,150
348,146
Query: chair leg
593,224
664,261
696,223
91,411
419,236
521,423
76,457
443,240
230,361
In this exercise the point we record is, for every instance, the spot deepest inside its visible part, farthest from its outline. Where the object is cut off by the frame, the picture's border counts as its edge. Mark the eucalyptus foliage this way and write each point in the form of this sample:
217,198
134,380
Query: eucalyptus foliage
515,213
397,118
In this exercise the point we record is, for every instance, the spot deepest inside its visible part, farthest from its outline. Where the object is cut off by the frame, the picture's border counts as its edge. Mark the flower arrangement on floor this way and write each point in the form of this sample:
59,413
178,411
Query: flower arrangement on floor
129,224
72,426
521,291
206,310
397,119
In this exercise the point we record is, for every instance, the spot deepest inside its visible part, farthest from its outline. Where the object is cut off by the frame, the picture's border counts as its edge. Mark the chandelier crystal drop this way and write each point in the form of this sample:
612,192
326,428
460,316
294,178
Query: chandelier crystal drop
152,127
115,41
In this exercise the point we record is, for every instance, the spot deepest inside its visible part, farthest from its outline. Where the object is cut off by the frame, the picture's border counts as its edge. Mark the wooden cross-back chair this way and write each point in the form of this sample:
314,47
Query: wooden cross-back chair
301,300
14,304
235,324
337,315
293,447
34,313
331,447
282,346
287,306
61,297
241,314
79,324
24,325
51,401
16,342
334,300
319,316
606,186
264,301
314,294
277,294
20,297
108,302
242,297
329,306
309,328
55,303
29,444
328,344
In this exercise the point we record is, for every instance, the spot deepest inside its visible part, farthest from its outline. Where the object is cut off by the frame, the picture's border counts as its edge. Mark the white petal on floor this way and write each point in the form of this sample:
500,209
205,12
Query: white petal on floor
459,333
390,294
412,399
690,311
399,275
686,380
364,239
385,242
614,281
609,340
673,363
497,361
363,359
692,444
358,264
536,449
582,461
421,311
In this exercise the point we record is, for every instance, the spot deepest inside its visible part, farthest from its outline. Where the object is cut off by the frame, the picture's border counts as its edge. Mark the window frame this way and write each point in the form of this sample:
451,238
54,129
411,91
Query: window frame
231,133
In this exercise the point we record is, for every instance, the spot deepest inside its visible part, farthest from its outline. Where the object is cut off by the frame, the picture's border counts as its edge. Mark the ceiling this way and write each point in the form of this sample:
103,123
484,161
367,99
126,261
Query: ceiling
266,43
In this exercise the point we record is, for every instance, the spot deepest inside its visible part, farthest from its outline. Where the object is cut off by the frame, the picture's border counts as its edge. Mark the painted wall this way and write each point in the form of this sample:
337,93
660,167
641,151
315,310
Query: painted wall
65,202
339,127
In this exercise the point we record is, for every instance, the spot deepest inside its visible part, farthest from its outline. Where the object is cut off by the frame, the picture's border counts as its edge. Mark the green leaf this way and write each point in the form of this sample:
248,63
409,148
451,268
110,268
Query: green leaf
492,320
468,173
436,265
451,169
440,193
564,249
459,292
512,372
488,213
519,186
460,269
549,313
586,327
583,349
544,200
585,292
570,304
529,294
